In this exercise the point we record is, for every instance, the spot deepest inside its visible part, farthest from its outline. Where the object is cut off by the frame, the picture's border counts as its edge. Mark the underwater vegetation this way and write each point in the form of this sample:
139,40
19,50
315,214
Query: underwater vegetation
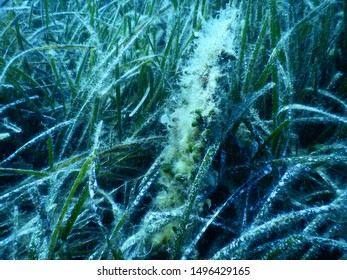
182,129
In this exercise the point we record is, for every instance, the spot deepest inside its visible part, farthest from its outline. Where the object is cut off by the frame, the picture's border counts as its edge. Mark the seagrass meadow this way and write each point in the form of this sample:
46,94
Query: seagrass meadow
182,129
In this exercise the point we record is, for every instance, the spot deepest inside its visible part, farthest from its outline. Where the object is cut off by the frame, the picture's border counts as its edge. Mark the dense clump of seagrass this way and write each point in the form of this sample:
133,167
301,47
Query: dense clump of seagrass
165,129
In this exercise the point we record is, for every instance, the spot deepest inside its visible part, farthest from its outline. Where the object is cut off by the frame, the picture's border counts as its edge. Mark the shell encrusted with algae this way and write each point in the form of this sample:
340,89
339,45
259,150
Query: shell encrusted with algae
193,120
